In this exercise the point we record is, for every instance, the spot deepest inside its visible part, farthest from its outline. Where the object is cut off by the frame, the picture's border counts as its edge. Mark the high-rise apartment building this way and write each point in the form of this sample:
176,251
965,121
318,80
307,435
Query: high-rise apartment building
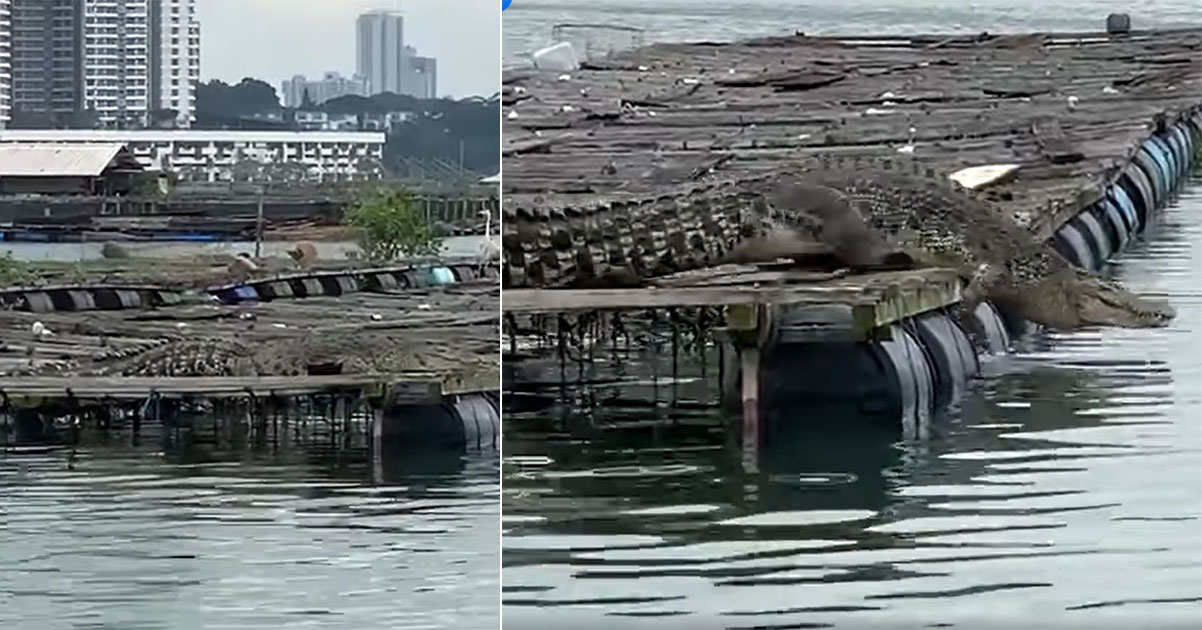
421,79
387,63
6,62
119,63
47,60
380,36
177,62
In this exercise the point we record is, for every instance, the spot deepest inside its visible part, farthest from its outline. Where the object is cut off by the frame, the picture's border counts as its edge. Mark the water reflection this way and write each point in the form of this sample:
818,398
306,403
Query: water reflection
1066,491
137,537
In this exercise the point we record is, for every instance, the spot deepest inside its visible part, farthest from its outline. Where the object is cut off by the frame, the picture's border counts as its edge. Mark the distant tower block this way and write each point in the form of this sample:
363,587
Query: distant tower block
1118,23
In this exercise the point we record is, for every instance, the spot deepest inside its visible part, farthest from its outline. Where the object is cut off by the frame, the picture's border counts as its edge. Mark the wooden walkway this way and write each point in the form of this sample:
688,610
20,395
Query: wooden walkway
851,306
1068,109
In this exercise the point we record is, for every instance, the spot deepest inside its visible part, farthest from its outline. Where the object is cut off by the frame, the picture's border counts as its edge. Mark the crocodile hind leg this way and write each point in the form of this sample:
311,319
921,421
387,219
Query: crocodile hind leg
835,220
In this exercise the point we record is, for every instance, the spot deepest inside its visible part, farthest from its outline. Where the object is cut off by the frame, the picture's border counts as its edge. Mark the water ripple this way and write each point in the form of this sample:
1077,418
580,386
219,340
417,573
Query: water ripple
132,538
1064,493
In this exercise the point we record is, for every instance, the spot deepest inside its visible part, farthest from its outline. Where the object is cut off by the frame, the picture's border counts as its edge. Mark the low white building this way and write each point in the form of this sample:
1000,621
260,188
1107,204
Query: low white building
212,155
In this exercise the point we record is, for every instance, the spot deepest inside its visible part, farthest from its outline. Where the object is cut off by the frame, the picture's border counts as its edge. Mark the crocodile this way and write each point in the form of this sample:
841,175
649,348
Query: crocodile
355,353
907,209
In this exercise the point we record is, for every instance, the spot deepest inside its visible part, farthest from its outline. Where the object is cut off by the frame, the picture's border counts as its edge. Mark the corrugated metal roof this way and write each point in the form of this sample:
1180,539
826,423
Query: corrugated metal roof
63,160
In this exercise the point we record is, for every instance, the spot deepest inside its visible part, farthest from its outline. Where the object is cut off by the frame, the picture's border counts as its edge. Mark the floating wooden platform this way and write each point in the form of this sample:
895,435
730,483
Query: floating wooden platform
453,333
803,303
407,387
1068,109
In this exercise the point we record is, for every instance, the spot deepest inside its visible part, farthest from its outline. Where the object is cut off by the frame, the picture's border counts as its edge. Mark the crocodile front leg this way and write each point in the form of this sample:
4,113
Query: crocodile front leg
980,283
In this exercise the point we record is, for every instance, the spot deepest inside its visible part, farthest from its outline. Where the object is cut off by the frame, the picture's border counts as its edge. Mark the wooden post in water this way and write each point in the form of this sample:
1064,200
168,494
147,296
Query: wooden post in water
749,326
749,364
259,225
377,442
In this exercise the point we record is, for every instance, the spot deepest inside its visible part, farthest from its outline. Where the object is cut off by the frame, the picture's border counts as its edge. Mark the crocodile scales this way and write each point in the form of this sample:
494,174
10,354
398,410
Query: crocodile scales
933,220
354,353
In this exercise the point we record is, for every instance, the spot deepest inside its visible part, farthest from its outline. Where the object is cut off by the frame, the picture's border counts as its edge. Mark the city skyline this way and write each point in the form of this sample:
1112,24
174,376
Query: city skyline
458,33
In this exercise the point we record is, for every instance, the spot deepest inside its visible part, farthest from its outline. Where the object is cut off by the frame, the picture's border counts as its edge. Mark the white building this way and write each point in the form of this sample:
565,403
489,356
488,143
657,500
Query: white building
139,57
331,86
118,71
212,155
178,60
6,62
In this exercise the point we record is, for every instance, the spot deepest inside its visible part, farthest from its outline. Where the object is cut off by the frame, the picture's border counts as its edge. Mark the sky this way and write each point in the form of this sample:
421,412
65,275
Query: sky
273,40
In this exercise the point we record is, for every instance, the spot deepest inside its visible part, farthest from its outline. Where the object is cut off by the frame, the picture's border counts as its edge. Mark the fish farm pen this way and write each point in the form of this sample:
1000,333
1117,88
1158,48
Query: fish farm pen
1086,136
199,216
432,380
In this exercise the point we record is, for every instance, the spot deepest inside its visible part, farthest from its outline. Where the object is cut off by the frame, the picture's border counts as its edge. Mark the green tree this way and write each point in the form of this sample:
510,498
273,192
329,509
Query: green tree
15,273
391,224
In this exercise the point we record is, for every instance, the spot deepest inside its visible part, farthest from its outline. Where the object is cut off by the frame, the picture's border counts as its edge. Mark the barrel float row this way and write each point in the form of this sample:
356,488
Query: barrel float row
471,421
335,284
924,366
1157,170
44,300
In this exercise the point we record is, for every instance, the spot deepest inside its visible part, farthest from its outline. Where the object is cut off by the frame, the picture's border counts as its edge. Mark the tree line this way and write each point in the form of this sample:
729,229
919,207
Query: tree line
440,129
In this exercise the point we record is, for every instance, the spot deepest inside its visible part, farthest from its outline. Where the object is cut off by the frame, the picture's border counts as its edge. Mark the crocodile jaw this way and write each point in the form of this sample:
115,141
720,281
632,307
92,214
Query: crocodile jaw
1073,299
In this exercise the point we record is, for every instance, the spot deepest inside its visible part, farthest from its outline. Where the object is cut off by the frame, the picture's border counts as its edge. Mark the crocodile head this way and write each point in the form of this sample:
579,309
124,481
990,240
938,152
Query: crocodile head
1071,299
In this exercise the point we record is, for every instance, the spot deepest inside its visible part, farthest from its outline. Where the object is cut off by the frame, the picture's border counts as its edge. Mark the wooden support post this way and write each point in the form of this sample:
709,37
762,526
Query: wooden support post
377,443
750,327
749,364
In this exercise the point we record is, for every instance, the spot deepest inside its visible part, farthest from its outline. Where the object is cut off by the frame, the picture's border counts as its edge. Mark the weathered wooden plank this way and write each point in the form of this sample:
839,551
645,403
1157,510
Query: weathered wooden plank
206,387
881,297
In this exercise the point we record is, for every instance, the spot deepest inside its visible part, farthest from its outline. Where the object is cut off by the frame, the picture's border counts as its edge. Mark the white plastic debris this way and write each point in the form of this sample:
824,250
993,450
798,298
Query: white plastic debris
560,57
564,77
375,317
513,114
40,330
873,111
423,307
